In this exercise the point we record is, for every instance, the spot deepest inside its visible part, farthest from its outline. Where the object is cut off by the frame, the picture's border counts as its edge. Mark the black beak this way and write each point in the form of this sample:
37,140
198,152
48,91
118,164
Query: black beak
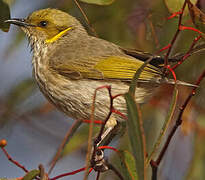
18,22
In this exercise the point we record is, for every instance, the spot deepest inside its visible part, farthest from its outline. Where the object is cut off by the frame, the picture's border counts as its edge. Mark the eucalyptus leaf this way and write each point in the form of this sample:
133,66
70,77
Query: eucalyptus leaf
135,135
4,15
98,2
166,123
31,175
129,166
137,75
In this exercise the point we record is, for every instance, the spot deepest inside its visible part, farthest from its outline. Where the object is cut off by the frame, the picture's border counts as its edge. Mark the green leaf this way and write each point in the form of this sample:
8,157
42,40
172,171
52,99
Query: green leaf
128,165
31,175
4,15
165,125
135,134
136,77
99,2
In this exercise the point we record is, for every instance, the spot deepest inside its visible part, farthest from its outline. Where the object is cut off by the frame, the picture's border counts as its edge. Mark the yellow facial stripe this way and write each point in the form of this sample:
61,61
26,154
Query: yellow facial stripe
56,37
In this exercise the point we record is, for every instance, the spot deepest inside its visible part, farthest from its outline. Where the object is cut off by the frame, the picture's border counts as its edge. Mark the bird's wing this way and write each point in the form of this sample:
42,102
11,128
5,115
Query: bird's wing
156,61
99,60
124,68
112,67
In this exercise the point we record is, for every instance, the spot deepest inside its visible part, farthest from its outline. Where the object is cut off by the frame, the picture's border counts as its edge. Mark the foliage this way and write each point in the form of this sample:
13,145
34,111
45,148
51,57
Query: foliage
98,2
4,15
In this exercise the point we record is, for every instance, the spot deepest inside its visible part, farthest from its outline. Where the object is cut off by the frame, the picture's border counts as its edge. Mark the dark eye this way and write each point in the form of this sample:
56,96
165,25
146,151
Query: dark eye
43,23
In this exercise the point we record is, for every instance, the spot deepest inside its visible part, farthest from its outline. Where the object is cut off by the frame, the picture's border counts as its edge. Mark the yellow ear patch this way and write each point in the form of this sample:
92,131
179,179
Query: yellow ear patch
56,37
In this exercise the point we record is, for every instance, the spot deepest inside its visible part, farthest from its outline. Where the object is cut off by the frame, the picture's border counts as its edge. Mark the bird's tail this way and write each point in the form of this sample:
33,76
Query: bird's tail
172,81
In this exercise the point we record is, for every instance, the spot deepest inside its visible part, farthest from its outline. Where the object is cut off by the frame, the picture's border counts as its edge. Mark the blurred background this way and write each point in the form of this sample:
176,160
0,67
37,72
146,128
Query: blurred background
34,128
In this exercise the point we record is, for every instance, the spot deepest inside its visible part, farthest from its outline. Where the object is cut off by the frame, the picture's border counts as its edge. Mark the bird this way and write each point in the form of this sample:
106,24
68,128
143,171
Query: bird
69,65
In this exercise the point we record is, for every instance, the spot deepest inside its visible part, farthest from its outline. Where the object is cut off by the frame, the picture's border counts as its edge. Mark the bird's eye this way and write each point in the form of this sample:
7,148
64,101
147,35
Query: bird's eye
43,23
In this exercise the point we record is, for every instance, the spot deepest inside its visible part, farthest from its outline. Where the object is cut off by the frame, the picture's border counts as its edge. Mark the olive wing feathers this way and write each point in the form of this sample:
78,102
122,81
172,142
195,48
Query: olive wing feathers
94,58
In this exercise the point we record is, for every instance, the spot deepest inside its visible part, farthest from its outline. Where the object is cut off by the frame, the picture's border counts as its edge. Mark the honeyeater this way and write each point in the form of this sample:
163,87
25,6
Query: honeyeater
69,64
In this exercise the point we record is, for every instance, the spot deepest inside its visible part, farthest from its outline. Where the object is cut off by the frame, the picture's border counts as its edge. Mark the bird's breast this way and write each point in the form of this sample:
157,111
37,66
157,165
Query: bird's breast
75,97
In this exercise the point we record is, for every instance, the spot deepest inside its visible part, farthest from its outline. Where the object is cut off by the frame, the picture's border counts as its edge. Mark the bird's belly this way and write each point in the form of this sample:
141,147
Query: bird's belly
75,97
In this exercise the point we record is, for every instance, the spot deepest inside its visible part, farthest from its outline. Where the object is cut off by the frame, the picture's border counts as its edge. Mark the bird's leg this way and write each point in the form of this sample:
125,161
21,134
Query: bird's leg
98,161
110,125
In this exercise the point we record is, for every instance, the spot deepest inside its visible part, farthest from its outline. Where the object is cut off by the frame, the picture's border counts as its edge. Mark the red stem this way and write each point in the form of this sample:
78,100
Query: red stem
175,36
108,147
68,174
188,53
13,161
156,163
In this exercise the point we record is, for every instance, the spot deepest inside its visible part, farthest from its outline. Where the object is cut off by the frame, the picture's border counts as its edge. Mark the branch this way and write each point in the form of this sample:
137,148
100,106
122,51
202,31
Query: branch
175,36
155,164
2,145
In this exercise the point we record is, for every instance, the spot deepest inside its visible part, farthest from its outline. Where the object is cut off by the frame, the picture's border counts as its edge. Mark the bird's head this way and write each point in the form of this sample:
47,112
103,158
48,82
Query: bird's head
47,25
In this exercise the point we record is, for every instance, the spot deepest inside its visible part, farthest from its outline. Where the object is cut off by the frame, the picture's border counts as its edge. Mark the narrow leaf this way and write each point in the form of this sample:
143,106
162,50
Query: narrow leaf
99,2
128,165
4,15
165,125
136,77
31,175
135,135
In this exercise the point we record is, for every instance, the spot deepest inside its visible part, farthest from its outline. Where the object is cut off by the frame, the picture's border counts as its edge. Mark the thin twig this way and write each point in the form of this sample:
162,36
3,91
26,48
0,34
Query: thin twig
98,138
179,119
14,161
90,136
98,175
66,139
86,19
155,164
188,52
175,37
67,174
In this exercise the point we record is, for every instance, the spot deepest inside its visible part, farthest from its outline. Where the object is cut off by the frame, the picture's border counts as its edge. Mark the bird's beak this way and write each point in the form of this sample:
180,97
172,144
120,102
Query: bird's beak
18,22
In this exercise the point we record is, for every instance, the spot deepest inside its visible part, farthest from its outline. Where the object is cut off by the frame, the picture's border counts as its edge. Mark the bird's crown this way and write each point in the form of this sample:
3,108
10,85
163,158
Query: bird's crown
47,25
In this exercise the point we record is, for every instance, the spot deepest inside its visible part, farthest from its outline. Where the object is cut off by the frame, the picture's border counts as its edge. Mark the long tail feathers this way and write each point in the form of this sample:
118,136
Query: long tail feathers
172,81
